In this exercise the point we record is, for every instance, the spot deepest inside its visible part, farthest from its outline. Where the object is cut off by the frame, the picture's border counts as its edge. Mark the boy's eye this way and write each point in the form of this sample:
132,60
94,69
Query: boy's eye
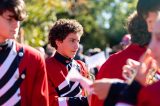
9,19
72,40
157,36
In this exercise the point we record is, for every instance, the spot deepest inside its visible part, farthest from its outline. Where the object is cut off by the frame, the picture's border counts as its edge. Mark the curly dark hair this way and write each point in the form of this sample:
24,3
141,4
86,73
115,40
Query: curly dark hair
62,28
15,6
137,27
144,7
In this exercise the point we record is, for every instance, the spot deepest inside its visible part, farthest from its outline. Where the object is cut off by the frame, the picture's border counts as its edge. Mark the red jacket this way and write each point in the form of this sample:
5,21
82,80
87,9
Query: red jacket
34,87
150,95
57,73
112,68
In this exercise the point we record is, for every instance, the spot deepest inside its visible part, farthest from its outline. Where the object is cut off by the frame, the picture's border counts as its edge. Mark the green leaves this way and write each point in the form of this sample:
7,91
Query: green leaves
103,20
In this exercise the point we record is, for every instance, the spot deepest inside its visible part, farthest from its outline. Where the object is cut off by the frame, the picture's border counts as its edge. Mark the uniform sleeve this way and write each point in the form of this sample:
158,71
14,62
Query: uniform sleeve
78,101
40,87
53,96
114,93
129,94
55,100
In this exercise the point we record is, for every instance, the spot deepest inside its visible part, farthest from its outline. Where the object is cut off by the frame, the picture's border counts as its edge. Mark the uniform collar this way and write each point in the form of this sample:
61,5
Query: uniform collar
62,59
4,46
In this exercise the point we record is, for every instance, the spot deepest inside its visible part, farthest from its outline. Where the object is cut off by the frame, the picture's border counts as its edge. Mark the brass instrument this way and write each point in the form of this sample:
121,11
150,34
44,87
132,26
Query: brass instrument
152,67
147,61
152,76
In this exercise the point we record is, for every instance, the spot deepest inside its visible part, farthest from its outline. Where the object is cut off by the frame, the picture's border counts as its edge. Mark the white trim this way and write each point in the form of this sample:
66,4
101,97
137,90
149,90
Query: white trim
10,83
6,64
63,84
14,99
123,104
79,94
62,101
73,87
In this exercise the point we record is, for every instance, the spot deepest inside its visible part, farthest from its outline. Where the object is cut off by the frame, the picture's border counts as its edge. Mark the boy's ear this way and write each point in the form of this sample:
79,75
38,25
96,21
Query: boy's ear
58,42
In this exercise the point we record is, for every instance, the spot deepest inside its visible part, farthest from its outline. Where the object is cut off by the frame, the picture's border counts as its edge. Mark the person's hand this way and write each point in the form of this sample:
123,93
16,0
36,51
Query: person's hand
139,71
101,87
130,70
135,70
74,75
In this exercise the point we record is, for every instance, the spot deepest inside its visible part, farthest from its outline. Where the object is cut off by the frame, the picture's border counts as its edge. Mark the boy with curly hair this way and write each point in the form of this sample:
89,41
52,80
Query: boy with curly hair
65,37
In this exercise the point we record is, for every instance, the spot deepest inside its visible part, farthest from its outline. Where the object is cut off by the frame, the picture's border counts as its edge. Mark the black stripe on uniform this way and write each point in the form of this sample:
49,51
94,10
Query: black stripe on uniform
18,103
11,70
68,88
65,89
74,92
4,98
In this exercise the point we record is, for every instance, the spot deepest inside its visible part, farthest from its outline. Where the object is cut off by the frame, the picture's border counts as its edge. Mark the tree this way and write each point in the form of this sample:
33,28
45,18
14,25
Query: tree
103,20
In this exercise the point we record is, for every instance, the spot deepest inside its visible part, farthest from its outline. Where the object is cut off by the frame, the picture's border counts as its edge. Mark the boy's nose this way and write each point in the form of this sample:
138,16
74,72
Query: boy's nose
15,23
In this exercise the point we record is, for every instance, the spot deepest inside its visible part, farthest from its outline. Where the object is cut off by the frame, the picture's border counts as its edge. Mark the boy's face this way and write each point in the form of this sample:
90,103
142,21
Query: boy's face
69,46
155,42
151,19
9,26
